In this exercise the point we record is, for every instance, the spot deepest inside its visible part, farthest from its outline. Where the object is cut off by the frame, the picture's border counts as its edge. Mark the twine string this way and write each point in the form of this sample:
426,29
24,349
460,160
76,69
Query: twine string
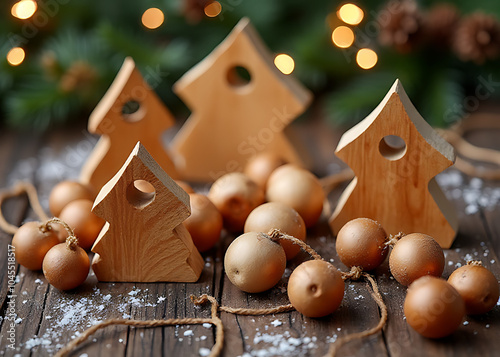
17,190
214,319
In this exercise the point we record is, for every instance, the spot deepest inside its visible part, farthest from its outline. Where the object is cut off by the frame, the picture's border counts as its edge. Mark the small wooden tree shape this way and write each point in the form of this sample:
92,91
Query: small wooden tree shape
144,239
120,132
233,119
395,155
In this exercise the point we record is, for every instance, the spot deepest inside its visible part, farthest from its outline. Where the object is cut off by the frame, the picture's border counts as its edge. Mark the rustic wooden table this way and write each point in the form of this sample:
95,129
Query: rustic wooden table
46,319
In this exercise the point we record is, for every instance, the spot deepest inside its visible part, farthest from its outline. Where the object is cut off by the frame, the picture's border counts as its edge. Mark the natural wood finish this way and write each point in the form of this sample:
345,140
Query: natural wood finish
39,306
144,239
396,186
232,121
120,132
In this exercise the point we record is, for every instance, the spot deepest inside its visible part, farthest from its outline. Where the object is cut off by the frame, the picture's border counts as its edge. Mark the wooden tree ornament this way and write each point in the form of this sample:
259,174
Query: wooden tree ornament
120,132
233,120
144,239
395,155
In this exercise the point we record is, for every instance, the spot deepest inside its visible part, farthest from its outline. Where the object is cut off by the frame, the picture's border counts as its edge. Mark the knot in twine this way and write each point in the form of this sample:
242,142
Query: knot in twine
475,263
393,239
71,241
355,273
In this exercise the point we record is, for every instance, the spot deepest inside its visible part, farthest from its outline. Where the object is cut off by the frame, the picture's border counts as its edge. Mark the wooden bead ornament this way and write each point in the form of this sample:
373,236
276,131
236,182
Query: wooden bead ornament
205,222
32,241
144,239
414,256
395,155
299,189
66,265
433,307
279,216
86,225
65,192
235,196
478,287
120,132
234,120
316,288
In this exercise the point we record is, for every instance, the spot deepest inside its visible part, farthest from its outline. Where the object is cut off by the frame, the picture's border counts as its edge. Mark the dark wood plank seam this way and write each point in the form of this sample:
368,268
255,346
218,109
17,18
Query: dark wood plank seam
241,334
488,232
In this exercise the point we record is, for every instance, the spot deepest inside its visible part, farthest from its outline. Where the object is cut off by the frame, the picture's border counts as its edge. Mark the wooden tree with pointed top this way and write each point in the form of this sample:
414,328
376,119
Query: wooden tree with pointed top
120,132
395,155
144,239
234,117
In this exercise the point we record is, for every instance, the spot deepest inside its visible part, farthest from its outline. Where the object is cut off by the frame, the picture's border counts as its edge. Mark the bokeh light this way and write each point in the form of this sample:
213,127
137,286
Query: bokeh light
366,58
24,9
350,14
343,37
213,9
153,18
15,56
284,63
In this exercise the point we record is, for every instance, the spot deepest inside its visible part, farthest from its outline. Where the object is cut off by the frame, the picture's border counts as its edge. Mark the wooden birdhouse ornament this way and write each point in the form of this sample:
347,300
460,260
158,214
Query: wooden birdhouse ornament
235,117
395,155
120,132
144,239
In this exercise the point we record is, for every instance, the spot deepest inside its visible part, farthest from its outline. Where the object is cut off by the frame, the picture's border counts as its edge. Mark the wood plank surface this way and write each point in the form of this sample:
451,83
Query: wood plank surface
48,319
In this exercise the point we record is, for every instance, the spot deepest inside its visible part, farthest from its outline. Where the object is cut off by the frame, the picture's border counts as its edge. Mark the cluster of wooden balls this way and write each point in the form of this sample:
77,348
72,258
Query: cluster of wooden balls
237,202
255,263
49,247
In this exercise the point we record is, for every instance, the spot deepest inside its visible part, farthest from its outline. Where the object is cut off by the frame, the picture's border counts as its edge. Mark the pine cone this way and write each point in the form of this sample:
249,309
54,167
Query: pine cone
478,38
79,77
194,10
401,25
441,24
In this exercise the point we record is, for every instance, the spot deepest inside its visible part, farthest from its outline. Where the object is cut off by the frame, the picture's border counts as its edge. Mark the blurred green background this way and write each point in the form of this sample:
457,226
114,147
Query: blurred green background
446,54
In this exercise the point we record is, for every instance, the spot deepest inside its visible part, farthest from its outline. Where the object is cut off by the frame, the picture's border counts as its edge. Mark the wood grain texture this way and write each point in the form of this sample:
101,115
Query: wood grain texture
395,185
54,317
144,239
233,121
120,132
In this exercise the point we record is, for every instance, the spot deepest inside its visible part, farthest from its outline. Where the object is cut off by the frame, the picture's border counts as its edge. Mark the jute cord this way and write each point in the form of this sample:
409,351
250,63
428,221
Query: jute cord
17,190
214,320
455,136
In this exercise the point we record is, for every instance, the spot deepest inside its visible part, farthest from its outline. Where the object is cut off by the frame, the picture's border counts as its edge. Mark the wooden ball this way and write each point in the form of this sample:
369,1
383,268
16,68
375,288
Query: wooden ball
66,268
66,192
316,288
260,167
299,189
235,196
281,216
31,244
416,255
361,242
433,307
205,222
254,263
86,225
477,286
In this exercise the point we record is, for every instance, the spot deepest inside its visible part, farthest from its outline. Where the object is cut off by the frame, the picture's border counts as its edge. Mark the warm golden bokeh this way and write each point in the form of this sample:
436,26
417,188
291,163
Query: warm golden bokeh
153,18
213,9
16,56
284,63
343,37
350,14
366,58
24,9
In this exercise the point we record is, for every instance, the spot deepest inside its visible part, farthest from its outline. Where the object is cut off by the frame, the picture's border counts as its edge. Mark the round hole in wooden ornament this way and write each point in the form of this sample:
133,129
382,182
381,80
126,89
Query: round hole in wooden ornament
238,76
140,193
133,111
392,147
